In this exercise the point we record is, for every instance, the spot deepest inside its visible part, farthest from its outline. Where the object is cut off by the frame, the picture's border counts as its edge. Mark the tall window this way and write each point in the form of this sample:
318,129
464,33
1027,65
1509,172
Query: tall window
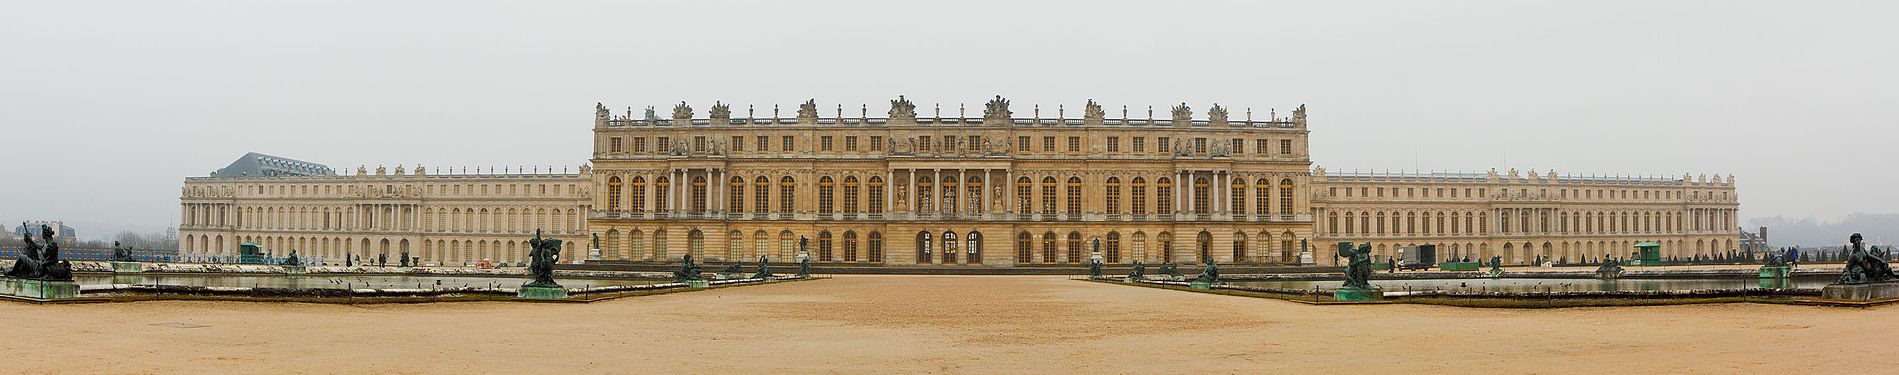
761,194
613,192
876,247
613,145
1048,144
787,194
699,194
824,246
663,185
824,194
1113,252
1022,143
1238,199
1048,195
737,202
850,247
1200,188
1022,246
850,195
876,196
972,193
1114,144
638,194
923,247
1139,195
1285,198
1048,247
1262,201
949,194
1163,195
924,191
824,143
1074,144
790,143
1074,247
1023,195
1113,195
1074,198
1285,147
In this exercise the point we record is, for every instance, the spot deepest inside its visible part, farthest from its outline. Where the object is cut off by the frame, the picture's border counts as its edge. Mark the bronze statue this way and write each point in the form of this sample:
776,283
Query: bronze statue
1094,268
1358,269
1864,266
1138,272
122,254
41,261
292,260
763,270
542,256
688,271
1209,275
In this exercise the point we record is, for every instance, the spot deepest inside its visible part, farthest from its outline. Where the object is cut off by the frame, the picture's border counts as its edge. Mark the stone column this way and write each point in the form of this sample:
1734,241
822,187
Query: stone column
962,184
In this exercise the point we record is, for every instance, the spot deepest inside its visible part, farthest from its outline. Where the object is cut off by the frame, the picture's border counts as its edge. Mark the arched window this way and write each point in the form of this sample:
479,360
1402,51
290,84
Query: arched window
761,245
949,196
1023,245
734,241
613,194
660,246
1074,247
696,244
1048,195
824,246
761,195
1048,247
1239,247
1165,241
1200,188
736,195
850,246
923,247
1285,199
1113,252
1112,193
972,193
787,195
662,186
825,187
974,250
1163,196
876,247
876,195
637,196
949,247
1074,198
1023,195
699,194
1238,200
925,191
1203,245
1137,202
850,196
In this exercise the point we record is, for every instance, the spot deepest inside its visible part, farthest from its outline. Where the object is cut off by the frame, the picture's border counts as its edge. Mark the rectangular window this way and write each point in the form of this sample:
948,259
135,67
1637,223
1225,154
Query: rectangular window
1285,147
1140,144
1022,143
1074,144
1200,145
824,143
850,143
975,141
764,143
1263,145
738,143
639,144
665,145
1048,144
1160,145
1114,144
699,144
923,143
876,143
1238,145
790,143
613,145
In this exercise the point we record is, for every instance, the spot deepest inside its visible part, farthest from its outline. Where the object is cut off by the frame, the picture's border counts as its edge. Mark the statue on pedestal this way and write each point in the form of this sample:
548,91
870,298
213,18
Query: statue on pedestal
292,260
1358,268
1610,268
1864,266
1094,268
122,254
542,257
405,258
1210,275
688,271
40,261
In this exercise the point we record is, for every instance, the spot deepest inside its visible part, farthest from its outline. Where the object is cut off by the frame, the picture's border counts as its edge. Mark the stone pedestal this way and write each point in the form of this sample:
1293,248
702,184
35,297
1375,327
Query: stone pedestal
697,283
541,292
1201,285
1305,257
38,288
1776,272
295,270
1359,294
127,267
1496,273
1861,292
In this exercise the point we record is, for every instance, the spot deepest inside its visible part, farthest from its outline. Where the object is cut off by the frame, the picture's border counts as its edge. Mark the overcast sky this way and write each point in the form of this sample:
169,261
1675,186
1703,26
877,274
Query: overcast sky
105,107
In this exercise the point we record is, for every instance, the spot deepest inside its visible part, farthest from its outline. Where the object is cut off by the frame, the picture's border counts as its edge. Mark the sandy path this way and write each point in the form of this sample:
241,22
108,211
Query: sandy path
949,324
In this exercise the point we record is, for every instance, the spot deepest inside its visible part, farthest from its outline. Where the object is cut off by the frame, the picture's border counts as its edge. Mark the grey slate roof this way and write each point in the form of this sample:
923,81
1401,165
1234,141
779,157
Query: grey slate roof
259,165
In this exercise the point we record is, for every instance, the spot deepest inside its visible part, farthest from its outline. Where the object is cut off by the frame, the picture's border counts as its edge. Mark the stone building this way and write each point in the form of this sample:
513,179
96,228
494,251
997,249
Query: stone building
442,218
928,189
1521,217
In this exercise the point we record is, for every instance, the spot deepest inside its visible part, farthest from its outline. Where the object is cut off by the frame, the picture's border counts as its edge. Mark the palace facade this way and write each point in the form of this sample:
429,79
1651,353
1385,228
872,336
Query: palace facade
451,219
906,189
1521,218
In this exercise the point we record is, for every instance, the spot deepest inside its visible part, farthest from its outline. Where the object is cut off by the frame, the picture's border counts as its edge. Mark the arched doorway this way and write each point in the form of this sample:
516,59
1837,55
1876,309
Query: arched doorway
923,247
1203,245
975,246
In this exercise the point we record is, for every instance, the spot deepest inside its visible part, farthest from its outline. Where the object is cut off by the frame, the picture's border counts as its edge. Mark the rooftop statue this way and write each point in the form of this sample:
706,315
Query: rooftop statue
682,111
1216,115
902,109
1863,266
542,257
1358,269
720,110
688,271
808,110
600,112
997,108
650,114
1183,113
1093,111
1299,116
